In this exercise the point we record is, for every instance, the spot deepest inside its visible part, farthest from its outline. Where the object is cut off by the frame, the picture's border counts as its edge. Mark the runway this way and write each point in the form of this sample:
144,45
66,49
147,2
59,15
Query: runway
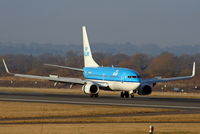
138,101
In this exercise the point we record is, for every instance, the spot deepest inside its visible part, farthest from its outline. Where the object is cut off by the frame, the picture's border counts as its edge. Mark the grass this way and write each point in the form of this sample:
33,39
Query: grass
85,122
38,112
24,110
176,94
179,118
107,128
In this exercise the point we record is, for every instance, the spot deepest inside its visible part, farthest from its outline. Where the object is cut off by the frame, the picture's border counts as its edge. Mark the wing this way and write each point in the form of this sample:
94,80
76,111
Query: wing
50,78
156,80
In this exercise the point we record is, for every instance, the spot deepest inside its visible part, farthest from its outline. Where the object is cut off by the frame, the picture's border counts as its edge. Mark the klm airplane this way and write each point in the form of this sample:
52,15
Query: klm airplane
98,78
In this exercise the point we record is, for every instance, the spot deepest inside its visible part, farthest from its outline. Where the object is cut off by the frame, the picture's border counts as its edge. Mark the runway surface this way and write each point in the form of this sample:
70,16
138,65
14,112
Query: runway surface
147,101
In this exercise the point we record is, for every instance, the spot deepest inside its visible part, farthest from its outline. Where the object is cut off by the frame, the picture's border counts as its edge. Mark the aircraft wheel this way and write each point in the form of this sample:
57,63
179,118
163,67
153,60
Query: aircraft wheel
132,95
126,94
96,95
122,95
91,95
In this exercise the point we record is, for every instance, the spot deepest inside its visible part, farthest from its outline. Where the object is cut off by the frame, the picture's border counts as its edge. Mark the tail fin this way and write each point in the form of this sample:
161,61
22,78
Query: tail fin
88,59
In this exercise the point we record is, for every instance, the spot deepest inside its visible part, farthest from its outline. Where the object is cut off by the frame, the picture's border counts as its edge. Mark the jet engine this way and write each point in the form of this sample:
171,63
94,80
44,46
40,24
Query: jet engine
145,90
90,88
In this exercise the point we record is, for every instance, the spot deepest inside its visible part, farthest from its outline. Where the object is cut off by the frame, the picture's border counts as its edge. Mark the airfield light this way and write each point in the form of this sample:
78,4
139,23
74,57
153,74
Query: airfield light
151,129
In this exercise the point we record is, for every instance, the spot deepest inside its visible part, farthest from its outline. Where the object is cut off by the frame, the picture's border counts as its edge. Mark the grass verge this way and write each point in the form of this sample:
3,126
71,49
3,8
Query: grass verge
107,128
120,124
24,110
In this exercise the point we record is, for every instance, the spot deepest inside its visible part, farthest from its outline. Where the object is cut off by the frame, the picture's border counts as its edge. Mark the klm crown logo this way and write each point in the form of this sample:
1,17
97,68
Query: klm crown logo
86,52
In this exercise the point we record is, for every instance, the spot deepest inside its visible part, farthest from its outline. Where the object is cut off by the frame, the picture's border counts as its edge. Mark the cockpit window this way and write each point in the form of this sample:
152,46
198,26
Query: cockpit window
133,76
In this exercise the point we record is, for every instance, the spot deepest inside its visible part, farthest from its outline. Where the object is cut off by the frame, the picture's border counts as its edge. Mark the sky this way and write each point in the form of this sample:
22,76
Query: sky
162,22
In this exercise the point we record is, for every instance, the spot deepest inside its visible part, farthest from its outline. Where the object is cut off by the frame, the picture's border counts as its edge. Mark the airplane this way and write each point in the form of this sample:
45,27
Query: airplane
97,78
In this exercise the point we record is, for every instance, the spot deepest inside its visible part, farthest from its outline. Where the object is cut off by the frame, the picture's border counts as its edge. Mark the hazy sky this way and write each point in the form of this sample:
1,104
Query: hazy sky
163,22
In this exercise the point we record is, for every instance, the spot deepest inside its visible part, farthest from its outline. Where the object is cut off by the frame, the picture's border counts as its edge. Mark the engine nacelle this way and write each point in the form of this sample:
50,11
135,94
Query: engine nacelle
90,88
145,90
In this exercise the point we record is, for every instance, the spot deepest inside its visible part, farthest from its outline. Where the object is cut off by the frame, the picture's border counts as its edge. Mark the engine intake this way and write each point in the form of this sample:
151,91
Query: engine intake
90,88
145,90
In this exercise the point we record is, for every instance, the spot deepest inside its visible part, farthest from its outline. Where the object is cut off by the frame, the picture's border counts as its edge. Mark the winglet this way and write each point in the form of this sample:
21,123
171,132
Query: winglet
6,67
193,70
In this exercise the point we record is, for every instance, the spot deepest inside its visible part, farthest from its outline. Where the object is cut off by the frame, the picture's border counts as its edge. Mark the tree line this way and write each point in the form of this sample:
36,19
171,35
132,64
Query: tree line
166,64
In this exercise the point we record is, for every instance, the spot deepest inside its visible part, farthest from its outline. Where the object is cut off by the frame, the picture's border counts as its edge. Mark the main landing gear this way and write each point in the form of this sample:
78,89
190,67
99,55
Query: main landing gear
125,94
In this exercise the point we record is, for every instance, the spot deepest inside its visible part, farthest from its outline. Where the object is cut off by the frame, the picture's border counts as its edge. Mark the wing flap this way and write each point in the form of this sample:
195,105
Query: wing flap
56,79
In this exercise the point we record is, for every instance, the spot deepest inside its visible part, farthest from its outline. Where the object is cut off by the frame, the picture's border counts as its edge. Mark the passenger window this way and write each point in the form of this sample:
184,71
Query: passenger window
132,76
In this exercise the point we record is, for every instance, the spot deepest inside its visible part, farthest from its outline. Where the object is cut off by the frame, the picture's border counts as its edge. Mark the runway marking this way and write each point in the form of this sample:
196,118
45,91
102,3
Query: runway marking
97,103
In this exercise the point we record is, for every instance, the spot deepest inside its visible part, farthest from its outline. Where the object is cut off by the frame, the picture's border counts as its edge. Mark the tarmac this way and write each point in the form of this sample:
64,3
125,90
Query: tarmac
138,101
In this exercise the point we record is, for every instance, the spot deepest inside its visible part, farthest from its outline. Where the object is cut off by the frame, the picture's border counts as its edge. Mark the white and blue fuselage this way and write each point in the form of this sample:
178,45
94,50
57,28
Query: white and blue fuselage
122,79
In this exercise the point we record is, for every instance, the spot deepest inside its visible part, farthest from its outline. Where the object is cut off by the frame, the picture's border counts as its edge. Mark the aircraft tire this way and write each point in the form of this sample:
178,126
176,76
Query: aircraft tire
91,95
96,95
132,95
126,94
122,94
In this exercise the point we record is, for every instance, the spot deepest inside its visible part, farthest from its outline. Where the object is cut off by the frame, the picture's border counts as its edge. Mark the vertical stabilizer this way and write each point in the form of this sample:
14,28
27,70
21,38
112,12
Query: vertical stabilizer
88,59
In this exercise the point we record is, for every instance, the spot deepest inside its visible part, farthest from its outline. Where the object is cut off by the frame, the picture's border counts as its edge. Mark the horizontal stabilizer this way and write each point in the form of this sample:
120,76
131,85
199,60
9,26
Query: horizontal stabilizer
65,67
